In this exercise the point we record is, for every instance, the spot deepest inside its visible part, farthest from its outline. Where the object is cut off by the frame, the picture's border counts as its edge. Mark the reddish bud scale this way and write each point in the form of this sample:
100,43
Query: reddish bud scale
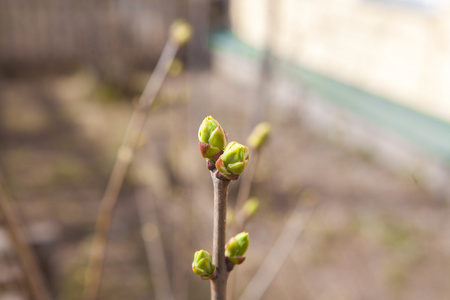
204,147
219,175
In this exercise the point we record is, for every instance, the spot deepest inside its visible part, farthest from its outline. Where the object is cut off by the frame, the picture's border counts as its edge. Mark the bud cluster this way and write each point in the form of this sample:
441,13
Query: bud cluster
230,159
234,254
232,162
202,265
226,162
236,248
212,139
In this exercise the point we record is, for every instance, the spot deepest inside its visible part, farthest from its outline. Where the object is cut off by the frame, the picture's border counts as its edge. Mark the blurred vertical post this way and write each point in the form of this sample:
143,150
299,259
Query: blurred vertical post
197,59
260,107
34,278
198,49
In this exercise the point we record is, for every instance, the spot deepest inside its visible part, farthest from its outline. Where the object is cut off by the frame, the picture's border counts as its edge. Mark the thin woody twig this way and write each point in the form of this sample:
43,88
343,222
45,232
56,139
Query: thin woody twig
123,161
241,219
35,280
226,163
280,251
219,283
256,140
154,247
246,184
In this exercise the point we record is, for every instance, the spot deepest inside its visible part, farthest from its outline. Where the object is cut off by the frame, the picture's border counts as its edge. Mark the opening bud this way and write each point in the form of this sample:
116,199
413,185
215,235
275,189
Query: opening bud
233,161
236,248
259,135
202,265
180,32
212,139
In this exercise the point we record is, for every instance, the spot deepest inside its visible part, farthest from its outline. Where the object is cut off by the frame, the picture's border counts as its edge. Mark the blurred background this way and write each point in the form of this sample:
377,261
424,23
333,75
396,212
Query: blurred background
354,178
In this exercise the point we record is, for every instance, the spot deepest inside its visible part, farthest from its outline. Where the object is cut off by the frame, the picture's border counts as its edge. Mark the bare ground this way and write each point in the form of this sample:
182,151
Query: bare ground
374,234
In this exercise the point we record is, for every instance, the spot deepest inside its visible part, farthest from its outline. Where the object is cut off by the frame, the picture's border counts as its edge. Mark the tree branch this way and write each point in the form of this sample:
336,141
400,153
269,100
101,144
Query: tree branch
219,283
122,163
34,278
279,253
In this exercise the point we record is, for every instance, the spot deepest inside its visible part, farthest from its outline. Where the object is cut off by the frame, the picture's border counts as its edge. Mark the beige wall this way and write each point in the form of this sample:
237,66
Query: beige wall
392,51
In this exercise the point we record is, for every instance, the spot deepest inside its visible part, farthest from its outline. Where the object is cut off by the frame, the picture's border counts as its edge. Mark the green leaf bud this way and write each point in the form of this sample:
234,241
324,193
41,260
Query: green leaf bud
250,207
180,32
232,162
242,240
175,67
259,135
236,248
212,138
202,265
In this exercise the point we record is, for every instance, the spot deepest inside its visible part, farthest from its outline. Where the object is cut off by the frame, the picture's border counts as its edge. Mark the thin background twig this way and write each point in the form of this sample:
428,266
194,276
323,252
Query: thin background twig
123,161
240,218
244,189
11,268
280,251
154,248
34,278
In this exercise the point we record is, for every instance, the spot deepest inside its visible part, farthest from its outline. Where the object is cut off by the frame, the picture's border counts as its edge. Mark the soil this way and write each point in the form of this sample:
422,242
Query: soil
373,234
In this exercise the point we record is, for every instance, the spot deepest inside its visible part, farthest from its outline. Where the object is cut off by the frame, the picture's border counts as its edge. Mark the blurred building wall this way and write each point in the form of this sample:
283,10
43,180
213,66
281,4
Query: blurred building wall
395,51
